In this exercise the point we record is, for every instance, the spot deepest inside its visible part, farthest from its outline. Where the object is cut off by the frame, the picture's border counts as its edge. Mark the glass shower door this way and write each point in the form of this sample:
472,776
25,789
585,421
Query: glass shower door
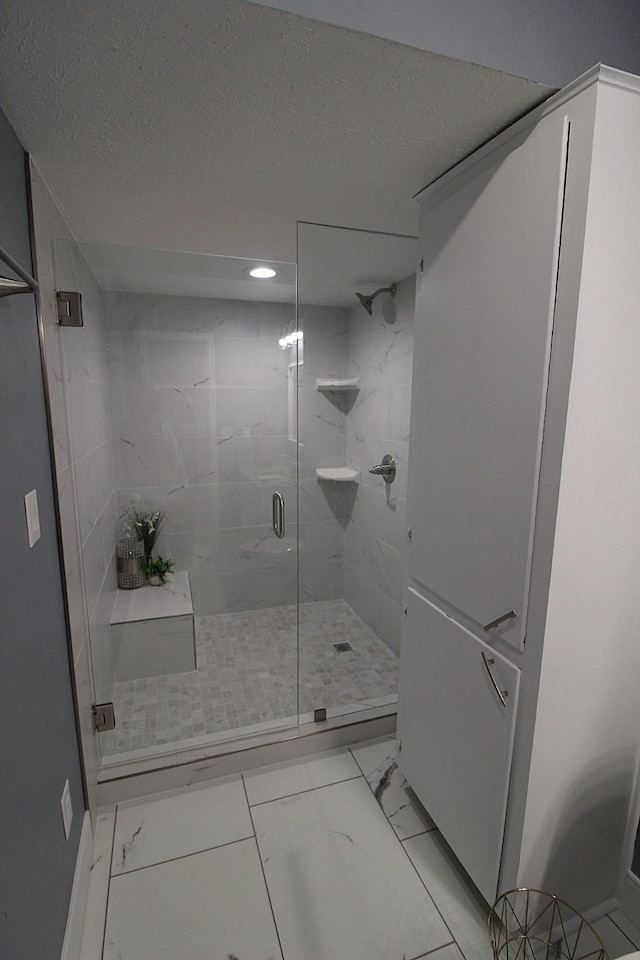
354,405
203,408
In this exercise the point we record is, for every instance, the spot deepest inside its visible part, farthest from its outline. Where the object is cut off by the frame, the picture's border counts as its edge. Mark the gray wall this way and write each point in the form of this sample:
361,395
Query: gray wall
548,41
38,743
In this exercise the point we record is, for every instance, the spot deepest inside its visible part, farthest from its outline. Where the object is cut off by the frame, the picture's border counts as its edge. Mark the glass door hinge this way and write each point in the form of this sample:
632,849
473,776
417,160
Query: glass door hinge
104,717
69,308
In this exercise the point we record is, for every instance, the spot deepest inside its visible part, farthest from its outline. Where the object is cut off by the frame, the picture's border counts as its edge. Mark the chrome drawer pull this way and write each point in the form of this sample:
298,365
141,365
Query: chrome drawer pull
502,694
499,620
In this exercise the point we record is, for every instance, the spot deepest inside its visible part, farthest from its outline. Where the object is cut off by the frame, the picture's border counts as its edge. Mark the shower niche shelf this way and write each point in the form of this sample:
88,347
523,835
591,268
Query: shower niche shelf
338,474
337,385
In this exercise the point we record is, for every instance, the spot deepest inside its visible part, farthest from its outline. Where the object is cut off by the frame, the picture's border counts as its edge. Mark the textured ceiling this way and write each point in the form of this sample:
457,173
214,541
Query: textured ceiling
211,126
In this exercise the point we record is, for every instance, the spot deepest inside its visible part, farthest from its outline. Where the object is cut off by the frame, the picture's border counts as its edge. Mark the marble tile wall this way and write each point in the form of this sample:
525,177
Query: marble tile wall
381,354
324,505
78,385
203,411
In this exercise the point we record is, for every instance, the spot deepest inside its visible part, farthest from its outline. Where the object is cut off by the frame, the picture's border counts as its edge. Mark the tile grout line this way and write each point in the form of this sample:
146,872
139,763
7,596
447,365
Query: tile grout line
623,932
401,840
286,796
264,875
431,953
415,869
183,856
106,910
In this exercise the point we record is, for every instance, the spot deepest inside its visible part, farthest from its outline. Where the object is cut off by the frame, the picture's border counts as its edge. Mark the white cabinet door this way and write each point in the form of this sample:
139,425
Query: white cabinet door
457,735
484,317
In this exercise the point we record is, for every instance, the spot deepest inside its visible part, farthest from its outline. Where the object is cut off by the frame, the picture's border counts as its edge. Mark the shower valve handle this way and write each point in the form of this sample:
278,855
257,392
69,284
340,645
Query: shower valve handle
386,469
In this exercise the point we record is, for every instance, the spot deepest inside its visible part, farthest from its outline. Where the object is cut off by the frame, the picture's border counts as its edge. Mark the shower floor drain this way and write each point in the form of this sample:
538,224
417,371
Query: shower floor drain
343,646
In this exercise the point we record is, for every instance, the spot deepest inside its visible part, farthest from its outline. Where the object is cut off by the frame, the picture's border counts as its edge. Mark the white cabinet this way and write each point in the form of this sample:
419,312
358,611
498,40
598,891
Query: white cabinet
490,258
462,784
524,495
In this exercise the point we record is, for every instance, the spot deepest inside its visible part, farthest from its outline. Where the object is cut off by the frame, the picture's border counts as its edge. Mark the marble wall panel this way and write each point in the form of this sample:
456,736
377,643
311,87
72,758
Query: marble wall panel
381,354
266,459
95,486
216,444
320,450
167,461
375,560
250,411
322,413
188,411
324,500
224,423
321,580
263,365
136,411
325,342
380,612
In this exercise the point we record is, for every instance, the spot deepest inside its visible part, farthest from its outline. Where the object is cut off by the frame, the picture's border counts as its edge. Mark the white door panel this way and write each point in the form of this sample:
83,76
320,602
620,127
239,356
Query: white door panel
484,318
457,736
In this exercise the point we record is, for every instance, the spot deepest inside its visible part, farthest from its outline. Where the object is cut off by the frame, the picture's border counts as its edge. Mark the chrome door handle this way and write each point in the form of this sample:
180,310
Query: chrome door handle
277,514
503,694
503,619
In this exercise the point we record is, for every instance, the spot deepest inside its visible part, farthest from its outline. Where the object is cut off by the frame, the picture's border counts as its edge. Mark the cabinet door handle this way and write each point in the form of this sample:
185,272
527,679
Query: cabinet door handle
502,694
496,623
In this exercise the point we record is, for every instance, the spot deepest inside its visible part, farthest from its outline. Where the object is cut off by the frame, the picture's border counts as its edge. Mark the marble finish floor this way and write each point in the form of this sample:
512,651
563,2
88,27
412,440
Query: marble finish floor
247,674
321,858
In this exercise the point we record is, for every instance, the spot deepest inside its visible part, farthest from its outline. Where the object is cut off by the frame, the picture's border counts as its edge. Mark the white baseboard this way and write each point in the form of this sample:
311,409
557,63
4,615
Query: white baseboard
629,899
79,892
602,910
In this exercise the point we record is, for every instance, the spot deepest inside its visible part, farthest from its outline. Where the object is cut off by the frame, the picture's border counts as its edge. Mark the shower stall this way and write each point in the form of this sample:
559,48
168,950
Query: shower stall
249,419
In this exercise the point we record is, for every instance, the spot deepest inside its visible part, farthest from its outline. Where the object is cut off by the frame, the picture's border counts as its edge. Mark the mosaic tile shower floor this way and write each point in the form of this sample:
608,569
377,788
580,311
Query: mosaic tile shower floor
247,674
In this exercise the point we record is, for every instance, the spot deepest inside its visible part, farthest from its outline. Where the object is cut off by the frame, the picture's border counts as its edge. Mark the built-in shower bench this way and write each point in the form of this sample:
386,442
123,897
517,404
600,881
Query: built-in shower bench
152,630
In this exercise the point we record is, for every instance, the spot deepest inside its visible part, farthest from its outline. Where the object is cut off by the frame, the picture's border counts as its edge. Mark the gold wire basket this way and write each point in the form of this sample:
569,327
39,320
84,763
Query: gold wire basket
528,924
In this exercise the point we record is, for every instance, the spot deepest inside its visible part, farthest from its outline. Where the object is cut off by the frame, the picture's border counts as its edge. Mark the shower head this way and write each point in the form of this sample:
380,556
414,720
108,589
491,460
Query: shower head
367,302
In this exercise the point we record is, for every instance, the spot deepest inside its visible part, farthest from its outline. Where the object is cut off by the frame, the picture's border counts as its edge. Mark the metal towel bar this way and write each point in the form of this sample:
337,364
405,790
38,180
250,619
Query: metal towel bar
26,284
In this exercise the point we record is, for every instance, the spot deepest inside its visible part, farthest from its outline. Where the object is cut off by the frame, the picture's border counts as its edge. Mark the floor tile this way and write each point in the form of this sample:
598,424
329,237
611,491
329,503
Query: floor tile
340,883
378,762
94,918
627,927
248,665
462,907
179,824
209,906
450,952
300,775
614,939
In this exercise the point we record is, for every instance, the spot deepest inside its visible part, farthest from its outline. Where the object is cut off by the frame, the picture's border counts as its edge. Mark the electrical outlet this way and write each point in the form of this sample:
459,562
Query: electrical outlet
67,809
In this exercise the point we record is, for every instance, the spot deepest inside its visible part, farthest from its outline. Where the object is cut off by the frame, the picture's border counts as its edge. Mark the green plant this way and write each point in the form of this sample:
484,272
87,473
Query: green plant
147,527
158,567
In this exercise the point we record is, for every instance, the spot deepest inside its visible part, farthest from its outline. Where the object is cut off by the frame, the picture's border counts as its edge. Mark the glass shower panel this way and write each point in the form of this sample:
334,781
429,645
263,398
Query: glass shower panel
204,425
354,406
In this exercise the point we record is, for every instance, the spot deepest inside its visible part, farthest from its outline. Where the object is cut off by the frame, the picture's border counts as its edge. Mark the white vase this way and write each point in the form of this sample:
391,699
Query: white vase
155,581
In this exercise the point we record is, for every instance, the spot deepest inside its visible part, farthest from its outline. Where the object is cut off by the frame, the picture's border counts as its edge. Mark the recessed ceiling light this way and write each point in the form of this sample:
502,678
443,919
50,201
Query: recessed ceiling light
262,273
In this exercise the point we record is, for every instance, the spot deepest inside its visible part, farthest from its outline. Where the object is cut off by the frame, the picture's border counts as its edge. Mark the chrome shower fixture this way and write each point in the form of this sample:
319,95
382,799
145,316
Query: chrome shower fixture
367,302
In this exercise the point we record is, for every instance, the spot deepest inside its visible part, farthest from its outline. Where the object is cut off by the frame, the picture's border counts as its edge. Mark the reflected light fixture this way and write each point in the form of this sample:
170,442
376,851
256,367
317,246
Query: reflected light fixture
262,273
290,339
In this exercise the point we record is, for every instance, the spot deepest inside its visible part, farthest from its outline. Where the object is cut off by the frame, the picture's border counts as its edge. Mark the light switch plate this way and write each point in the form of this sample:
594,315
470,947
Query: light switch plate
67,809
33,517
